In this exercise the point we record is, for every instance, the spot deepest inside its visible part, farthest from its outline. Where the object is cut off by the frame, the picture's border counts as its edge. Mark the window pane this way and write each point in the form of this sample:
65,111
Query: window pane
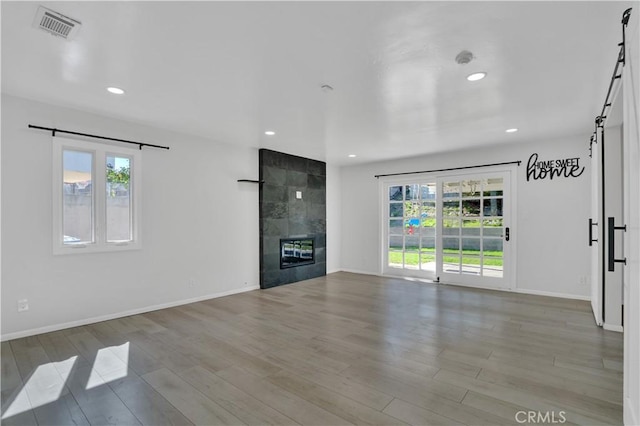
450,189
428,261
492,262
412,226
471,246
411,209
470,264
470,188
412,192
451,208
492,228
395,210
428,244
428,219
428,212
492,187
118,195
412,243
451,227
395,259
395,227
451,263
395,193
471,227
77,215
428,231
492,207
411,252
428,191
395,244
492,247
471,207
450,245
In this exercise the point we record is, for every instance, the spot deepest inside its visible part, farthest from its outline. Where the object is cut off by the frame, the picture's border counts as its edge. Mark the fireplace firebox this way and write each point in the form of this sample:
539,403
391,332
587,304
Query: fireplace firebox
296,252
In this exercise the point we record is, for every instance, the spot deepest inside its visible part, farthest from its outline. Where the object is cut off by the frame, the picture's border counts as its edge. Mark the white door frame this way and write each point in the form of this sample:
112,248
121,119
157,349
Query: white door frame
597,236
631,212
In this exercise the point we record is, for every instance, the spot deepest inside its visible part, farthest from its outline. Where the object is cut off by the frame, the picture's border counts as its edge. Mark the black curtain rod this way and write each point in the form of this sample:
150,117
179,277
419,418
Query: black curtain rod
451,168
621,60
54,131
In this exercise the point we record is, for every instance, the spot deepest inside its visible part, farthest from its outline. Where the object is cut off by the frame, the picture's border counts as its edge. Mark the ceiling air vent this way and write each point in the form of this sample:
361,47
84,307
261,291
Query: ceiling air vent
55,23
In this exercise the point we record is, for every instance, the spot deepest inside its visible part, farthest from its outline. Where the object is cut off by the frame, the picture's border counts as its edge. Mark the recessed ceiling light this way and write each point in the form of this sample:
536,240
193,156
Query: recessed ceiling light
352,156
115,90
269,133
476,76
511,130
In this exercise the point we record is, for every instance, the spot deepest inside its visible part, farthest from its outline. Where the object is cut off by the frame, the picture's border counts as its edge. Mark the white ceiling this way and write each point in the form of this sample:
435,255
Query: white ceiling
228,71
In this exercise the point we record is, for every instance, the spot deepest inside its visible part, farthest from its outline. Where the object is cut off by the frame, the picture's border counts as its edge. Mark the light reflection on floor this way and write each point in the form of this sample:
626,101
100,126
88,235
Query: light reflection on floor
48,382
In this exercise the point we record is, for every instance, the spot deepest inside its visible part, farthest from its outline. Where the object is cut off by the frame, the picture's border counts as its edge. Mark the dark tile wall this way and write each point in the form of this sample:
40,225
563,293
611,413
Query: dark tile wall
284,216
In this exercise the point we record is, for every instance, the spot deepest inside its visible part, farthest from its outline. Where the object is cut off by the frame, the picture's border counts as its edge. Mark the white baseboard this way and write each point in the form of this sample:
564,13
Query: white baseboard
617,328
479,287
411,279
595,318
630,416
355,271
552,294
516,290
78,323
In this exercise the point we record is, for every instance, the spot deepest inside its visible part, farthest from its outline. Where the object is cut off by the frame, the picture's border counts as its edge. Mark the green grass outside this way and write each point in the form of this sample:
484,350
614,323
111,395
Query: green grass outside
466,223
412,258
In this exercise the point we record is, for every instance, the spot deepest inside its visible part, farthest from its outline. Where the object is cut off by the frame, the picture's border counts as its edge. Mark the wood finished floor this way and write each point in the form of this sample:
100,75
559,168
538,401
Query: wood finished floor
342,349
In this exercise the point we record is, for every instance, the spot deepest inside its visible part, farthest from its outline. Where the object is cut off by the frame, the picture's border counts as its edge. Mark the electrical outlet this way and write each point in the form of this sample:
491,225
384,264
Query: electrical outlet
23,305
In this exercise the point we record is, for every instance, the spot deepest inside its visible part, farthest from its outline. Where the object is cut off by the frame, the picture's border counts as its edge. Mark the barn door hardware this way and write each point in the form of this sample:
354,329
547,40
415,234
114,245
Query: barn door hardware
612,240
591,225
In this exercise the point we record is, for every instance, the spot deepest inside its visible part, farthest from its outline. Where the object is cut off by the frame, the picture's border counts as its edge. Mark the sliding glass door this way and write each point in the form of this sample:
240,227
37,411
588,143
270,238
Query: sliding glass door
475,230
454,228
411,231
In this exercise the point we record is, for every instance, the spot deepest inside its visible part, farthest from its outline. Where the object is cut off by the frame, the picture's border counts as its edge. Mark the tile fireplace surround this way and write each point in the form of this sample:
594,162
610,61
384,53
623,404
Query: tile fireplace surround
292,205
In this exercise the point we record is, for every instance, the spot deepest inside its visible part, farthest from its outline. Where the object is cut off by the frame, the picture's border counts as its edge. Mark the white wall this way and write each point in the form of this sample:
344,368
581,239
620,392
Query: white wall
333,219
203,243
198,224
552,216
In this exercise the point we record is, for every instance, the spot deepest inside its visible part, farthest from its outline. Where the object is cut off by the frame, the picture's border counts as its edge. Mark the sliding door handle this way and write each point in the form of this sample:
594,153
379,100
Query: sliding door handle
612,242
507,234
591,224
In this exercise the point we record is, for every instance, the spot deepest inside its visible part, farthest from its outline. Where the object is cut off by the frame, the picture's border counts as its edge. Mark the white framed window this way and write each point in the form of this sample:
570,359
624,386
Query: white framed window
96,197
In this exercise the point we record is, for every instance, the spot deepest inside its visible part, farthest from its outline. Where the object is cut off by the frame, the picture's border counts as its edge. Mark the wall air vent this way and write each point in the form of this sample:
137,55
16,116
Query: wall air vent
56,23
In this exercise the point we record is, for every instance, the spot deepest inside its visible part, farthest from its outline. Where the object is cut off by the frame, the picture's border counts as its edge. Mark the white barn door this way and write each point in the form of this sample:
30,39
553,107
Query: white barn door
595,232
631,147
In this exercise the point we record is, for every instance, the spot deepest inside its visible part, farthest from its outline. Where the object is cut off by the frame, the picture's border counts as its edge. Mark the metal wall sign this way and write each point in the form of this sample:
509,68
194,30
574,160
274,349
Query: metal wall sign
548,169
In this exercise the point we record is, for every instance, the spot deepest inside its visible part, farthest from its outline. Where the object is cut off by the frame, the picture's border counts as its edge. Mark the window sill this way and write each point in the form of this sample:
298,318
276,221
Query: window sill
95,248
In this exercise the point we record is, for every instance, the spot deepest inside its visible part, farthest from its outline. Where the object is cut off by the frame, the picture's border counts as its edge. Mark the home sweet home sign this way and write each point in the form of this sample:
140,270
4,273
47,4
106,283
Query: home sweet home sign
548,169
